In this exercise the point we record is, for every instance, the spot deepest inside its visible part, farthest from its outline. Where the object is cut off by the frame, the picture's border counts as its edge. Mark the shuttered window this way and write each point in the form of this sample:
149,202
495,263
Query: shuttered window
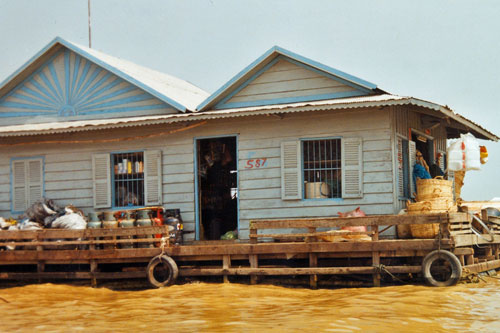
403,168
101,180
412,150
152,175
352,168
130,179
27,182
291,179
321,169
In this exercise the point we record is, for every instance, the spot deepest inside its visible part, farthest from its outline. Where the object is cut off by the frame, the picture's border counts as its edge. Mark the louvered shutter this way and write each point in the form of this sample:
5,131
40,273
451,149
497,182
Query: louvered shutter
152,176
291,178
352,168
412,150
442,163
35,180
400,166
101,175
19,186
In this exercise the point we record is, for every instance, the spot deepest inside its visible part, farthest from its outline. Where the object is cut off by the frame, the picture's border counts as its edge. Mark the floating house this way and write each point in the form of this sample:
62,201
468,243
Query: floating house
287,137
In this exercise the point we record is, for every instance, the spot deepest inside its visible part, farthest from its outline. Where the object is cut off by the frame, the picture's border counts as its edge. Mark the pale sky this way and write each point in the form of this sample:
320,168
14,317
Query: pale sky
447,52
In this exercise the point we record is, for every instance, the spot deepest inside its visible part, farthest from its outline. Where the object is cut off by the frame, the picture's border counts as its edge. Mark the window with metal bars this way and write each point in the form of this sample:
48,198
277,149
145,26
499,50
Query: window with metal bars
128,179
322,167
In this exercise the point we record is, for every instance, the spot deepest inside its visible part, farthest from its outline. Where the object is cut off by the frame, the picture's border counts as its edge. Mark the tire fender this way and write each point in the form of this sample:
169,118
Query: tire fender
456,268
169,263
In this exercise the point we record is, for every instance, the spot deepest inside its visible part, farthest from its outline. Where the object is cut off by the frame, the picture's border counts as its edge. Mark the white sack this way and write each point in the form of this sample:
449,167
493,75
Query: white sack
72,221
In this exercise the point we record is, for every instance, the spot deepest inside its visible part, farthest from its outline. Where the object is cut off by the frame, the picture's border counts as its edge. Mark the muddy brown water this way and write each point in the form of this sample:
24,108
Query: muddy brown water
206,307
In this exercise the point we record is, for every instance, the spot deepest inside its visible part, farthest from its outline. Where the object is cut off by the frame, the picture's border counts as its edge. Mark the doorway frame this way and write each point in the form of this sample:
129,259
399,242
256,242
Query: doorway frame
196,183
432,146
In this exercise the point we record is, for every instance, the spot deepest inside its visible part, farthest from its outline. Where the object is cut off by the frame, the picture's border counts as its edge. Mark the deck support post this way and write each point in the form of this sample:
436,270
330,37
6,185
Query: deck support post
226,263
495,251
313,278
93,269
375,258
254,263
40,266
313,259
469,259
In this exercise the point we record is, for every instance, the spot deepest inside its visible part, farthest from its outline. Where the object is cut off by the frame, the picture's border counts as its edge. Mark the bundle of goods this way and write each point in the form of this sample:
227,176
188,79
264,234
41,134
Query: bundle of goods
464,154
46,214
347,234
433,196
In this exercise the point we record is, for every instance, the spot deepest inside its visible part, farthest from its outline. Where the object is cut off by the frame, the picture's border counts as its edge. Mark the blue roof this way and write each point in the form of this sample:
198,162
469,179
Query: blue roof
267,57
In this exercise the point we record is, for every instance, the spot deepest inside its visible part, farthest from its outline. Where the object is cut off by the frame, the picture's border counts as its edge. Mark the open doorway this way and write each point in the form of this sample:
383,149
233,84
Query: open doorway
217,180
425,145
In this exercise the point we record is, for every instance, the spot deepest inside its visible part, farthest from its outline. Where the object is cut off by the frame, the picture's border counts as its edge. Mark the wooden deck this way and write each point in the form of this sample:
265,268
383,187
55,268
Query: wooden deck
276,248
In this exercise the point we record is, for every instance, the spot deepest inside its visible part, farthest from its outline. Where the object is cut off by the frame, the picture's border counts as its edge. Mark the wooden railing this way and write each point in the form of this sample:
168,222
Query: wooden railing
374,222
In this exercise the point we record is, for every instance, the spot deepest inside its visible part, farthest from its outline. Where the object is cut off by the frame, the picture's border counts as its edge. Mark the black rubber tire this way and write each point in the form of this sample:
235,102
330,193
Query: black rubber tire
456,268
169,263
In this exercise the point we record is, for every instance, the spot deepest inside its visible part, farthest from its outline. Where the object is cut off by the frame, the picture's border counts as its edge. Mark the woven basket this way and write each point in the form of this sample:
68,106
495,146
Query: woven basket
424,230
431,207
430,189
428,207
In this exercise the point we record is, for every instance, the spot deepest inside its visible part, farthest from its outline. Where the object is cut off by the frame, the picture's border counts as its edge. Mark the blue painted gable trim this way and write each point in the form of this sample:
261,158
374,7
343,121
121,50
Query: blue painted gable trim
91,97
360,91
276,51
245,84
122,75
330,70
229,83
84,54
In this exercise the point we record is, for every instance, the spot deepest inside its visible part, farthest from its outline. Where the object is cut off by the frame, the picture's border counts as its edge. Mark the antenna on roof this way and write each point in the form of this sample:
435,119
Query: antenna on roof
90,32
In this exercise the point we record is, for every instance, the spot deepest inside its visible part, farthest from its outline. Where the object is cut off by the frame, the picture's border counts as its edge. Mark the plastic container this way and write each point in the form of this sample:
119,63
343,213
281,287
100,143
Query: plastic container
143,220
127,222
317,190
111,224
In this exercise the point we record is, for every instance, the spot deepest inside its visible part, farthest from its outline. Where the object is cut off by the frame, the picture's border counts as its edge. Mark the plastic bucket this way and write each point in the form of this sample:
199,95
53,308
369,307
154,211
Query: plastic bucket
317,190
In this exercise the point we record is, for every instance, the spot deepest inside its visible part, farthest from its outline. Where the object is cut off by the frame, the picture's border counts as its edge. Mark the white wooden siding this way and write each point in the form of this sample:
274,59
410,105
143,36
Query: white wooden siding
284,79
68,168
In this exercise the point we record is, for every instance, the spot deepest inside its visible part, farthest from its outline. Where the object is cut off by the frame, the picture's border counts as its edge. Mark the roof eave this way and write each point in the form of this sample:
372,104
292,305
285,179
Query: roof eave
366,102
457,117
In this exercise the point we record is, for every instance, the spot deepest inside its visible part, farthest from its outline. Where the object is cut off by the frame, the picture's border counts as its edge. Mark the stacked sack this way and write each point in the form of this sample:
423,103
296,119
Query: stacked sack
433,196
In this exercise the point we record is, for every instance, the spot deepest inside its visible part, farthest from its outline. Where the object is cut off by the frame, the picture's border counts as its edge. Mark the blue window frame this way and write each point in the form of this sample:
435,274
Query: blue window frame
127,179
322,168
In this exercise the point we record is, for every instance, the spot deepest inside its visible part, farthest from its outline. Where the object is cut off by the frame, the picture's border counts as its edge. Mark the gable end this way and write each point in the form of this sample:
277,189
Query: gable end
70,87
285,80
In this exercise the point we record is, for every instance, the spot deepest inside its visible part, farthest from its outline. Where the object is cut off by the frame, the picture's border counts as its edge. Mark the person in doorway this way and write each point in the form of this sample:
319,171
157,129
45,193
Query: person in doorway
435,169
421,169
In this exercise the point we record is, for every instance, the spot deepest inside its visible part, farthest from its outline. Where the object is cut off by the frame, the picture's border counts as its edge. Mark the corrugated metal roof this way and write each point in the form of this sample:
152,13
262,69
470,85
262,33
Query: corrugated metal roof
334,104
183,92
